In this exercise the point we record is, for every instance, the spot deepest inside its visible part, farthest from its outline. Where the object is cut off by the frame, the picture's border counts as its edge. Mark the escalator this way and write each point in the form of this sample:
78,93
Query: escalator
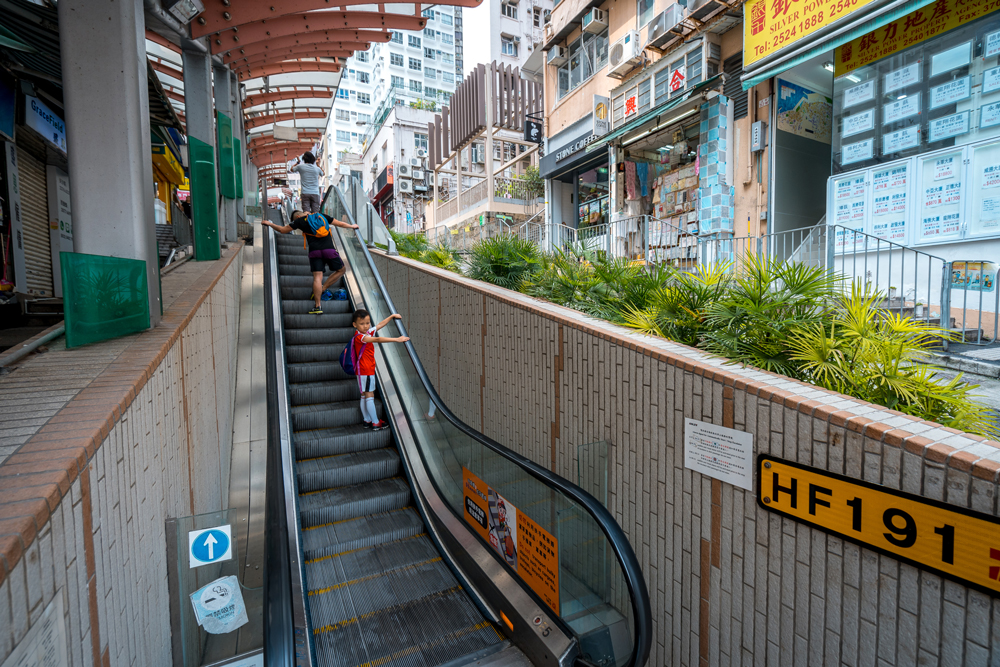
383,567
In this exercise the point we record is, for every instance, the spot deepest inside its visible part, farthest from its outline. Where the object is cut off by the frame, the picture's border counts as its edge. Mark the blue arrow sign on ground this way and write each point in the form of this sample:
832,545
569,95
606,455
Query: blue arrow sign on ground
211,545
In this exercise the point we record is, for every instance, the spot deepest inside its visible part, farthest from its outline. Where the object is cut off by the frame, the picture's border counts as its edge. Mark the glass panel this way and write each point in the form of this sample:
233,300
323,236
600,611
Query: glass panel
591,594
940,195
984,213
103,297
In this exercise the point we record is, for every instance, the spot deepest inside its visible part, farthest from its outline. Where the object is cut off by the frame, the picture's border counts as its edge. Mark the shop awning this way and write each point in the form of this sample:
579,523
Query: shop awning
849,31
654,113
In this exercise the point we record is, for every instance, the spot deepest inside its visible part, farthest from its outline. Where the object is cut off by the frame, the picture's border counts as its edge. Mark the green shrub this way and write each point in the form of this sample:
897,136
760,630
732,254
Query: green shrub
410,245
505,261
442,257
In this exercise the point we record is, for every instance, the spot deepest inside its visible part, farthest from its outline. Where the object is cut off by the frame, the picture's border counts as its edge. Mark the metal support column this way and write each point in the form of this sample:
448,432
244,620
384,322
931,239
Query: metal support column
240,145
224,106
106,93
200,117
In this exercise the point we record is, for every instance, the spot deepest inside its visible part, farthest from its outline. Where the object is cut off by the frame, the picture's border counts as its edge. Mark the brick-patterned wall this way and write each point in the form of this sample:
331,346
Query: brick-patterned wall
83,502
729,582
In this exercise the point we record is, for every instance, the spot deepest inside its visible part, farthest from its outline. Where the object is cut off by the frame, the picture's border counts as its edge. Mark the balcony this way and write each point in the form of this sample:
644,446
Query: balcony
512,196
382,182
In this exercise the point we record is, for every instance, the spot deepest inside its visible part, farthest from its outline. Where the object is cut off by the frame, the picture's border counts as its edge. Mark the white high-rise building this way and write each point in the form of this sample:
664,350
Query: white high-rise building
514,34
415,67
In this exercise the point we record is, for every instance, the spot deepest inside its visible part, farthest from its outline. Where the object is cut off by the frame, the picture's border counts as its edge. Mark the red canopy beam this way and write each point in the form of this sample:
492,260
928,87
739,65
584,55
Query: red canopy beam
164,68
221,15
293,54
162,41
295,24
289,94
296,147
286,67
367,37
266,139
257,121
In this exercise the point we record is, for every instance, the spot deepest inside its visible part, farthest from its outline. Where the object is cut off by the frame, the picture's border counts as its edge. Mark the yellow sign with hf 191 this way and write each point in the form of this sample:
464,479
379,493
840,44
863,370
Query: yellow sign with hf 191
952,541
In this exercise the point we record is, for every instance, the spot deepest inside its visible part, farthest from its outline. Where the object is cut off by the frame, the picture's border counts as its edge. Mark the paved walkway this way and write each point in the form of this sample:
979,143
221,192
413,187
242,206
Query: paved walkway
38,386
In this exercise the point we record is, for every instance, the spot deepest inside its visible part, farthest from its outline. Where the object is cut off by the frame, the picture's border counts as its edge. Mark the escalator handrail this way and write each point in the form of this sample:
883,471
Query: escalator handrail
627,560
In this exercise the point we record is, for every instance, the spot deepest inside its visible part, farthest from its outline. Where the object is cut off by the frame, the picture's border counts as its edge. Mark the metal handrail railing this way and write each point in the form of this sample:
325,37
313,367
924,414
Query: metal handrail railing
627,560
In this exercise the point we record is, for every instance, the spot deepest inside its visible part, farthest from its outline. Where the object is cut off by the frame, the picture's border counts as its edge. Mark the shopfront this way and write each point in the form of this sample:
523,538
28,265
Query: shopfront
578,181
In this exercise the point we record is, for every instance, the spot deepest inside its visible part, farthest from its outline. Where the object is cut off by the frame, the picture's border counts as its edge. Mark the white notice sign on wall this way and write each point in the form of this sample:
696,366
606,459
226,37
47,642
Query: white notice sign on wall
719,452
45,643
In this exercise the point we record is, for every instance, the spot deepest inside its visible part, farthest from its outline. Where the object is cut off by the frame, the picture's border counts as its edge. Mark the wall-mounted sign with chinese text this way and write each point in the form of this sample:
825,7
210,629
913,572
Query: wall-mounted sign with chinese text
527,548
949,540
917,26
770,26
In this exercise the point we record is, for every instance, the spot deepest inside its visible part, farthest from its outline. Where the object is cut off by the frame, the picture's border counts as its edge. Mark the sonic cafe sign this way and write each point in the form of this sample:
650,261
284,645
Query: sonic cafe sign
771,25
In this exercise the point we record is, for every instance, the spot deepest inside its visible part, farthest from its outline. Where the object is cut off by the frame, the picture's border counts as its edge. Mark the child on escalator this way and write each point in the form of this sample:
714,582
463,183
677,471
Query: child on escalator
364,362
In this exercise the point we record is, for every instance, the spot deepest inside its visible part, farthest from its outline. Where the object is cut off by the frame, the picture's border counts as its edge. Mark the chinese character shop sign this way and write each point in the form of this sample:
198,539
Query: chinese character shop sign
677,79
773,25
915,27
631,103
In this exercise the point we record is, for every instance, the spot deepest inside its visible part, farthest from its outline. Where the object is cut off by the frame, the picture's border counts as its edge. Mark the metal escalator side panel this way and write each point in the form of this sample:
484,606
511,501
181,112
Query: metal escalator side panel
303,641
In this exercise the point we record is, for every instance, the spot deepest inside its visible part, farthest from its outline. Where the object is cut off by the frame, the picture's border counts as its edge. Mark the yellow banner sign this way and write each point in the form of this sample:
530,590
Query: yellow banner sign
915,27
771,25
952,541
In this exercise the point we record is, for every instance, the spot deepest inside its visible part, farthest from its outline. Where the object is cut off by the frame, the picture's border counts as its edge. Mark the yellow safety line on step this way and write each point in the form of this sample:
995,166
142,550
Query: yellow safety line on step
334,523
370,546
350,621
321,591
309,493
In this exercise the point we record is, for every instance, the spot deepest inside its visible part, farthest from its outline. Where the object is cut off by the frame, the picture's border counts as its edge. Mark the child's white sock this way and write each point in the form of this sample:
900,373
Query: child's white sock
364,411
370,400
430,413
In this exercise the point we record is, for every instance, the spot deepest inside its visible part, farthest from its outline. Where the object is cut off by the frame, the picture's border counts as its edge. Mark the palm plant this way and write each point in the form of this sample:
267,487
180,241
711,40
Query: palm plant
504,260
564,278
441,256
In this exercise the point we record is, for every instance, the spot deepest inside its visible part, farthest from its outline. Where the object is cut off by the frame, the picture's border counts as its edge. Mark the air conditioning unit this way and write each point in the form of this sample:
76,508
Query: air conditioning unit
478,154
625,54
417,175
430,178
557,56
517,40
658,32
403,171
416,163
374,168
595,21
405,186
421,152
546,15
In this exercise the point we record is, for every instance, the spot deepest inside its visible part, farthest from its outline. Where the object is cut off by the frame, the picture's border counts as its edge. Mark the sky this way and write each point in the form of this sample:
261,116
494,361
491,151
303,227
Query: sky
476,21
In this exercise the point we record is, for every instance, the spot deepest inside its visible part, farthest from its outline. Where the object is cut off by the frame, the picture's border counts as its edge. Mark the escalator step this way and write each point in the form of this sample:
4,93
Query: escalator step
339,336
330,472
308,417
328,540
350,502
303,293
307,393
295,281
309,353
331,441
294,269
368,561
427,631
317,372
324,321
303,306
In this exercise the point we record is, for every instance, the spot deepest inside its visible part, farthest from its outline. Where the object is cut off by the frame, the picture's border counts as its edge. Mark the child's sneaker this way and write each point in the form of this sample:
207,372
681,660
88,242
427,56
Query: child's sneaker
381,425
327,296
316,311
368,425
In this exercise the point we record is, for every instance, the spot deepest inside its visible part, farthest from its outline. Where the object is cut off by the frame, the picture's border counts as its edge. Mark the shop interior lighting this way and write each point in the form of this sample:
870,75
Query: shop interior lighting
852,78
828,66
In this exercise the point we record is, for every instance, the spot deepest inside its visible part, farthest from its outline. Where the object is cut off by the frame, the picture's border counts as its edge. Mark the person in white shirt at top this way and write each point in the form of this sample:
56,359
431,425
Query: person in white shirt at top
309,173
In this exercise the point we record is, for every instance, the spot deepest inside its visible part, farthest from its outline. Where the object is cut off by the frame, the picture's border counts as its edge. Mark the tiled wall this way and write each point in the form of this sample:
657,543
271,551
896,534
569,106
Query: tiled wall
149,439
730,583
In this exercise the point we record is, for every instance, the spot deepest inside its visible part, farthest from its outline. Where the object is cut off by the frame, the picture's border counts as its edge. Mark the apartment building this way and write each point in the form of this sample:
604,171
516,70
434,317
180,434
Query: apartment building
418,68
516,31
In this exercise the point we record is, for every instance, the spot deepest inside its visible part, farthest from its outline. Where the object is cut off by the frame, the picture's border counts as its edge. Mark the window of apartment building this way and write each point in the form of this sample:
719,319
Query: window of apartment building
414,41
644,9
350,74
419,141
397,82
343,94
364,98
445,97
396,59
508,9
645,99
343,135
587,55
428,53
363,77
447,38
507,46
397,37
343,114
445,18
428,14
448,77
430,73
364,118
415,64
362,56
617,110
447,59
536,17
429,33
416,86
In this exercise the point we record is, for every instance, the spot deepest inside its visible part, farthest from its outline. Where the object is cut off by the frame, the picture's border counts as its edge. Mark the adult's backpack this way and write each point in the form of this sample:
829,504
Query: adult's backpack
319,226
349,360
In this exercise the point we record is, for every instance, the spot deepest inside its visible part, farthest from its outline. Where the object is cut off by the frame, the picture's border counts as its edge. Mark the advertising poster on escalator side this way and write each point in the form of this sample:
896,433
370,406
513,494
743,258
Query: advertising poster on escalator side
528,549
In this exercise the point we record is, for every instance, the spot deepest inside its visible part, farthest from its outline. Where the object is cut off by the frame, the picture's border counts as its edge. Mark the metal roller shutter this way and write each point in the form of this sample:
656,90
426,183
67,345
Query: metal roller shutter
35,216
